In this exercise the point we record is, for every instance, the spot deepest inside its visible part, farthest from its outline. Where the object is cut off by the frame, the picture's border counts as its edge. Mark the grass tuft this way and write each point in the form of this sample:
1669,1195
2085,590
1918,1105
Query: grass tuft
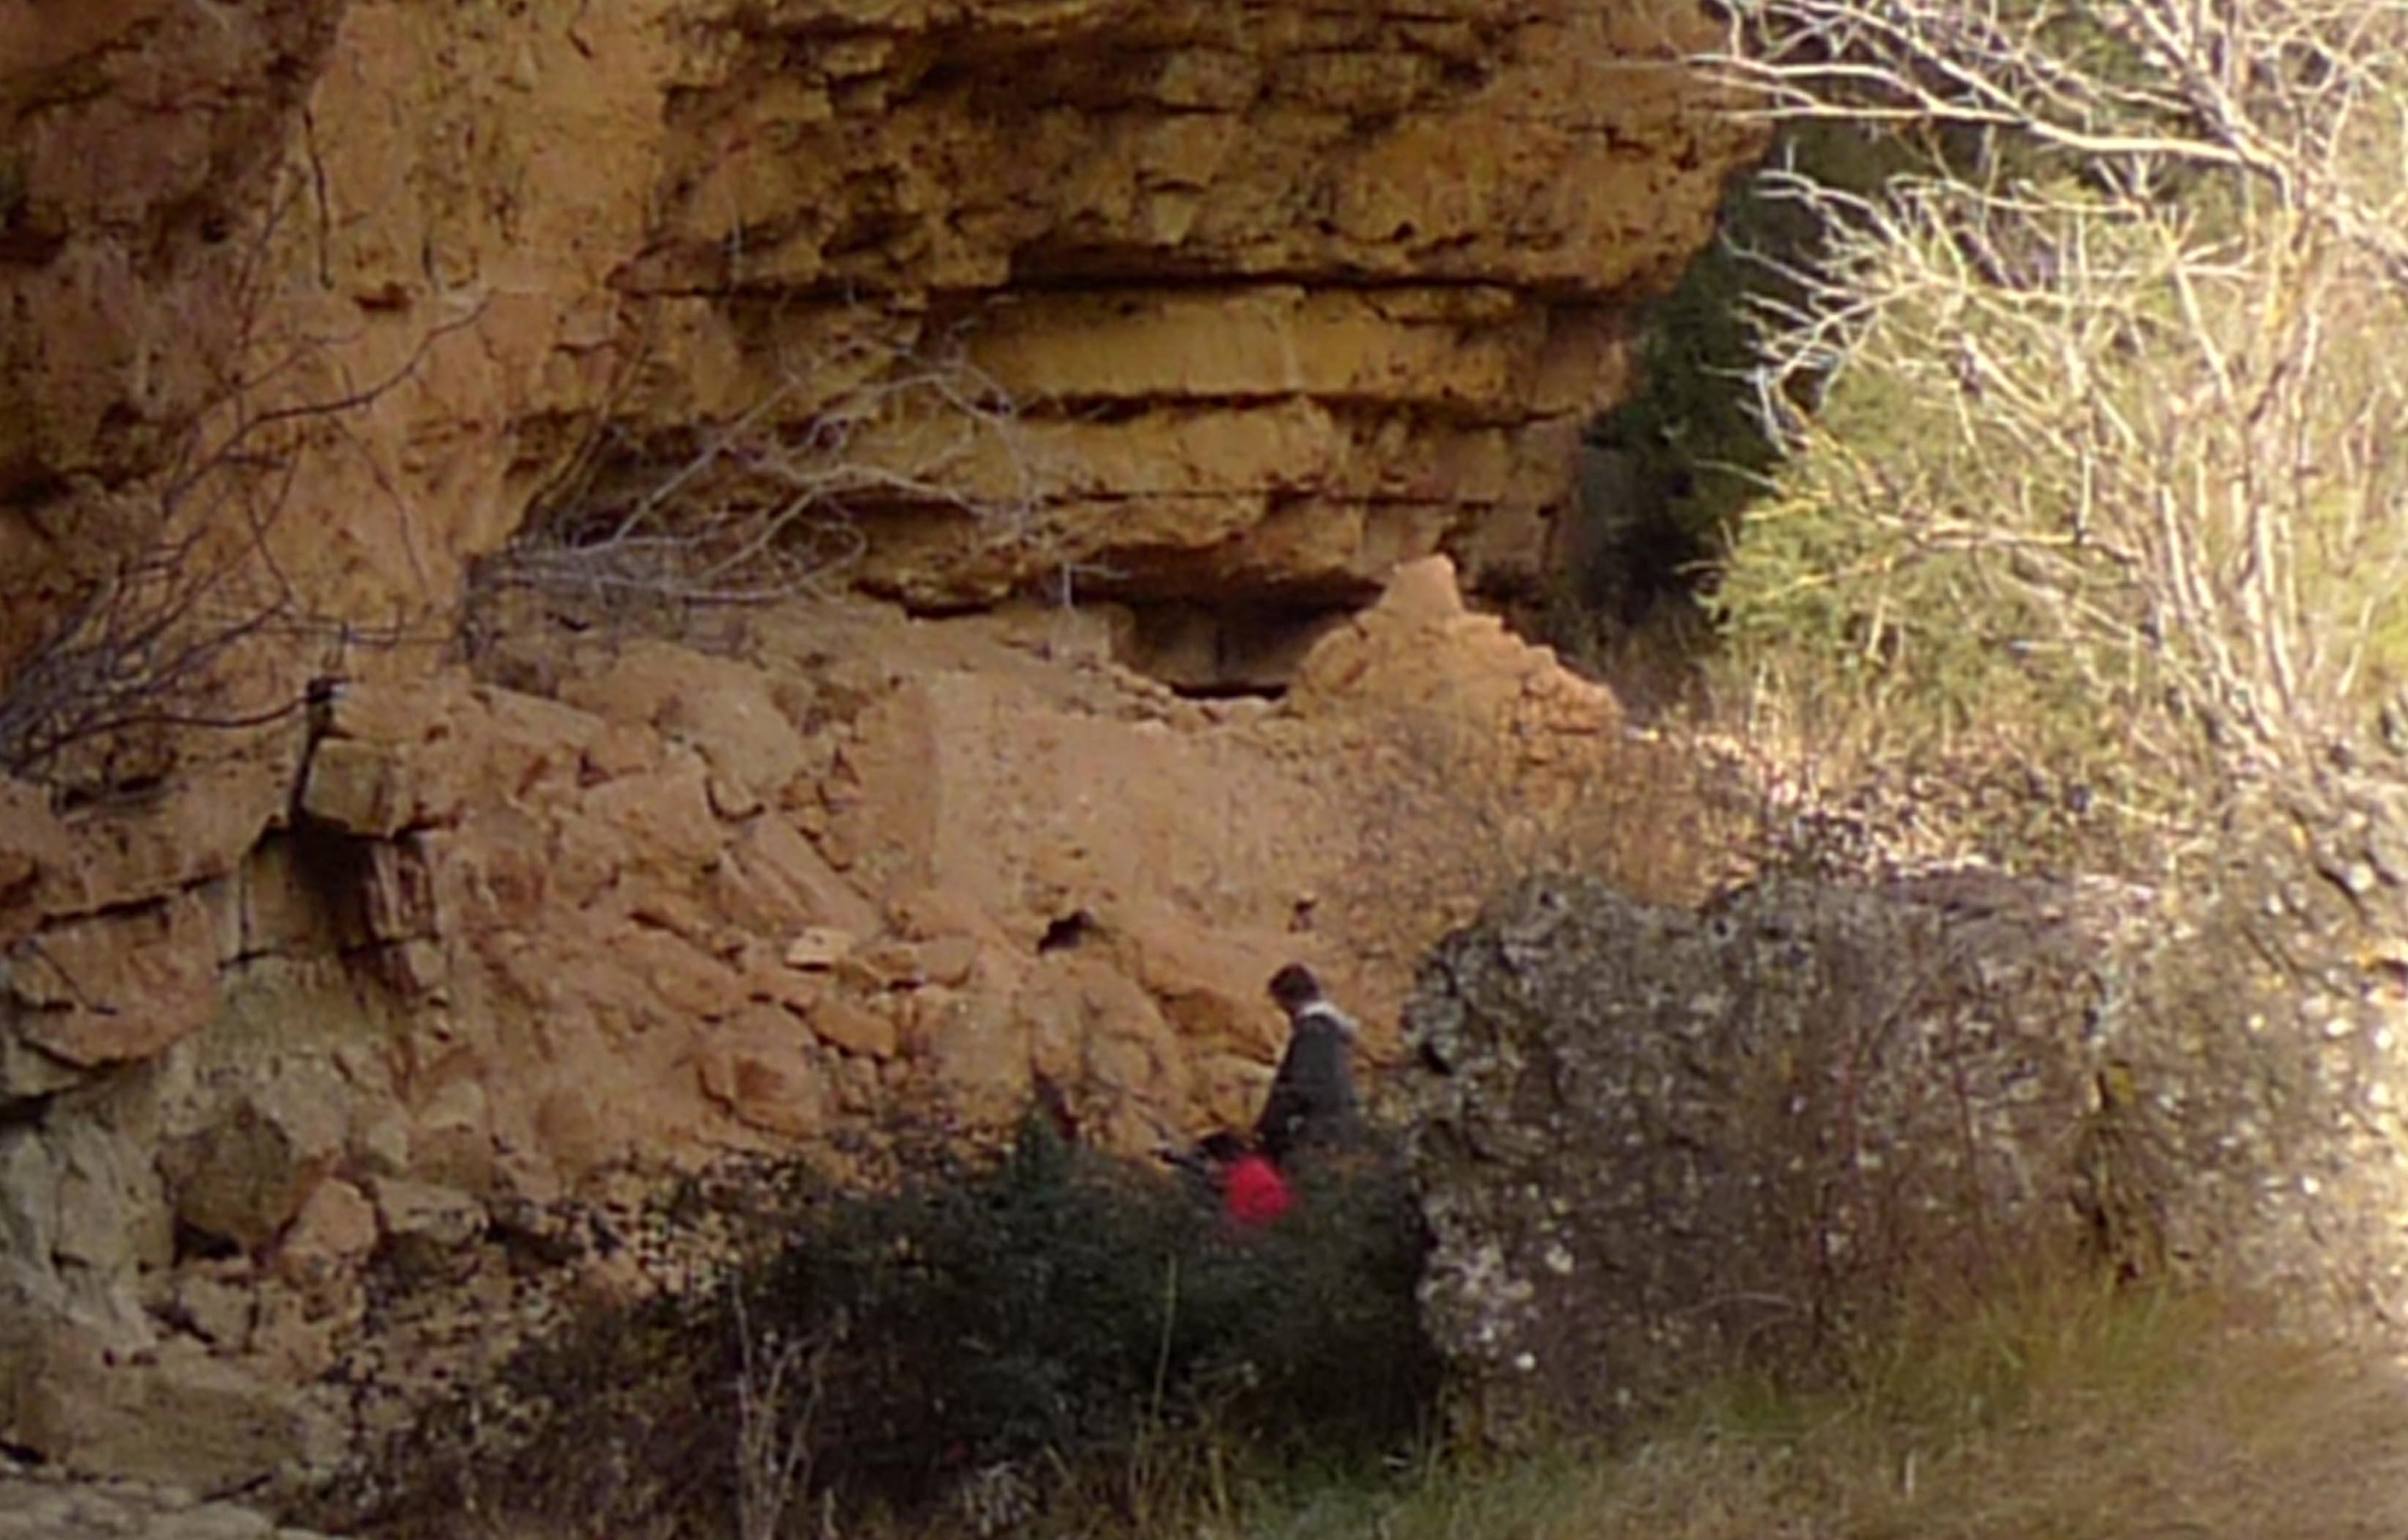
2058,1410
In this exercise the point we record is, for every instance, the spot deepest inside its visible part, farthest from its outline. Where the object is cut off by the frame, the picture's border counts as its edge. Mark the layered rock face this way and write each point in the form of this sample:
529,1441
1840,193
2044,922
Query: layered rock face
1186,328
657,905
1286,294
1272,297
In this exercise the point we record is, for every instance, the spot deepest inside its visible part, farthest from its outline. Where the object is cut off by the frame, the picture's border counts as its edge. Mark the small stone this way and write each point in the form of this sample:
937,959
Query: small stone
774,1091
359,788
730,798
855,1082
215,1522
330,1238
440,1216
418,969
819,948
381,1148
949,959
219,1311
622,749
886,965
854,1028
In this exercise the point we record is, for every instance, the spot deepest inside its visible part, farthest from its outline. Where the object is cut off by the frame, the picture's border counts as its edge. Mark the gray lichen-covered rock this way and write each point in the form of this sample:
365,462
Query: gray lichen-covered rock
1663,1143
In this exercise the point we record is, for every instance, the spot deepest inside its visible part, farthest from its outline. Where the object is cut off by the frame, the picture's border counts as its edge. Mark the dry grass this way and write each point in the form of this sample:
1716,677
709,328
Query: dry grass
2059,1414
1468,806
2062,1412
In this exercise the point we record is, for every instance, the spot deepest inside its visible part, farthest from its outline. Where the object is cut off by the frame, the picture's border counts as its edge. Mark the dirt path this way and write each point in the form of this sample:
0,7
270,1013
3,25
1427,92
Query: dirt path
2319,1453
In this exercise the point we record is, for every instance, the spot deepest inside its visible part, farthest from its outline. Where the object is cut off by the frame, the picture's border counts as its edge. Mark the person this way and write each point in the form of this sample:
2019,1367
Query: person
1312,1103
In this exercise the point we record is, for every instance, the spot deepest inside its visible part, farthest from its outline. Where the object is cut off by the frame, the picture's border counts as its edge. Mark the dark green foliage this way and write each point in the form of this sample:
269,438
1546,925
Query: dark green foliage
1692,427
1692,453
1049,1307
1670,475
1066,1303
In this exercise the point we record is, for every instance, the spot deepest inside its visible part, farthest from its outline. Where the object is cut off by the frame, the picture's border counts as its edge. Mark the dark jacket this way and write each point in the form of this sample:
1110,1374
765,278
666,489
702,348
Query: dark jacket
1312,1103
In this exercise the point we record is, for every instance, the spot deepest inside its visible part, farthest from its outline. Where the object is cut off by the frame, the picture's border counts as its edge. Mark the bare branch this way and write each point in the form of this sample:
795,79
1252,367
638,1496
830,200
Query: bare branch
150,643
2118,370
772,504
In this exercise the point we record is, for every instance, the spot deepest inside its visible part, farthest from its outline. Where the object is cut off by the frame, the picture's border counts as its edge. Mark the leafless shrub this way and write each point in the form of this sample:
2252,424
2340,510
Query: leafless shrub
142,649
773,503
2105,396
171,582
779,1381
2301,96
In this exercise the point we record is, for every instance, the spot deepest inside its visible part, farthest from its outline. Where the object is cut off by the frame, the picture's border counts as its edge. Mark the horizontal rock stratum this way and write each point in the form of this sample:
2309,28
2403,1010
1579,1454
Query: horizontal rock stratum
646,904
1191,330
1270,296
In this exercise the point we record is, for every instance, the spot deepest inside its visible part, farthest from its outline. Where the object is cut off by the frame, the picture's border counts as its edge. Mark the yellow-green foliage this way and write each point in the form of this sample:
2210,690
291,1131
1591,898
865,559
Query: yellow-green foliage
2110,471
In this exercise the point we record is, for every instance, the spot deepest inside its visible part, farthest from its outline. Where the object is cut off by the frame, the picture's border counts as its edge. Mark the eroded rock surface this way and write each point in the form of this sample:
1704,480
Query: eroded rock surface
1659,1144
1186,328
40,1505
661,906
1272,296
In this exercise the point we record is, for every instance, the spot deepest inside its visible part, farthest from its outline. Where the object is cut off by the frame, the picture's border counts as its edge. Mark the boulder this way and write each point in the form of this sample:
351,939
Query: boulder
1656,1144
761,1068
329,1241
724,707
360,787
662,822
179,1417
854,1028
242,1175
427,1229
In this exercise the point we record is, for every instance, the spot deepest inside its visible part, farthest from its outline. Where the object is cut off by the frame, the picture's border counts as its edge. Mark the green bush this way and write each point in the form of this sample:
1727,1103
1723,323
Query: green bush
2086,412
1050,1310
1064,1303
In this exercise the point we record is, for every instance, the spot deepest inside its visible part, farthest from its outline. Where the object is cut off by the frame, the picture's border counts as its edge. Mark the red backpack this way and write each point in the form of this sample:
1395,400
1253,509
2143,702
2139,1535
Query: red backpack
1253,1192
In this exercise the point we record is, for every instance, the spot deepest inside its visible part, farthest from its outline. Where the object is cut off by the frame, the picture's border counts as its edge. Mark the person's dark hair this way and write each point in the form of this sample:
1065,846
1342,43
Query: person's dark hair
1293,987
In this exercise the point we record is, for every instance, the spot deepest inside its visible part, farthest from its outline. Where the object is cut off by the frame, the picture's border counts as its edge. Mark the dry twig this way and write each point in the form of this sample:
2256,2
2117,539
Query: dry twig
2133,320
772,504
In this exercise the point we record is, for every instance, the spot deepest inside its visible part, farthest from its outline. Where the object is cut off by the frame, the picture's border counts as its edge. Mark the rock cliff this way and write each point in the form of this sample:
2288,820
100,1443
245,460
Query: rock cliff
1101,410
388,397
1279,295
